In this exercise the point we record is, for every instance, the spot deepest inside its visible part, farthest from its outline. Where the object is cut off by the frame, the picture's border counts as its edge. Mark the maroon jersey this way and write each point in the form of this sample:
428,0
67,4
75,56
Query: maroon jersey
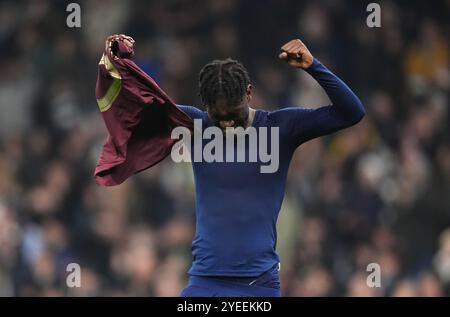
139,117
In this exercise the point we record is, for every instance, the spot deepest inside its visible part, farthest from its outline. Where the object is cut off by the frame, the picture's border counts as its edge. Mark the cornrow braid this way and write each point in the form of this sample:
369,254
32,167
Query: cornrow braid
223,79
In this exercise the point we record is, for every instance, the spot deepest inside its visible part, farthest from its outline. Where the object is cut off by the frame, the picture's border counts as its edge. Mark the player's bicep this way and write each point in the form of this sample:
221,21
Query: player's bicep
303,124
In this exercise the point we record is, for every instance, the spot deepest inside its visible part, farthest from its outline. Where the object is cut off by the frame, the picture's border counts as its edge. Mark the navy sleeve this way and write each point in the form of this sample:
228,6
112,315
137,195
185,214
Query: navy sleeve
303,124
192,112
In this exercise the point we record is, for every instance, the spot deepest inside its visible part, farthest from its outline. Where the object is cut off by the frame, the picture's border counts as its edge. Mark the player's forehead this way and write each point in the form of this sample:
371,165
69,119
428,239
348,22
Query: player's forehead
223,106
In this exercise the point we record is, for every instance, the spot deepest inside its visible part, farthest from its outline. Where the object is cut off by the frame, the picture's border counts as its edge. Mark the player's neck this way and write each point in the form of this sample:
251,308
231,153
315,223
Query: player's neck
251,116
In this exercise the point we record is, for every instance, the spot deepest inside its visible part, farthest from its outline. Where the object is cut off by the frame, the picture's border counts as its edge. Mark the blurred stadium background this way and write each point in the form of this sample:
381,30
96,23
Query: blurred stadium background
378,192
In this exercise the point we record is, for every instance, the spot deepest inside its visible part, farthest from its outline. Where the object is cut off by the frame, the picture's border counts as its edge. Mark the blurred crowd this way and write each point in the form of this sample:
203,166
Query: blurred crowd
378,192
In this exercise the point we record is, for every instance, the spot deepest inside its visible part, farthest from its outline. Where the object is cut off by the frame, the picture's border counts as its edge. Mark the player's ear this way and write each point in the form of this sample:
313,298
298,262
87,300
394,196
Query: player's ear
249,92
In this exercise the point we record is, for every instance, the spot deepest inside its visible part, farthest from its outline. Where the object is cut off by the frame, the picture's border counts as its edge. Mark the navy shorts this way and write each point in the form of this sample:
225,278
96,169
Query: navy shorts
265,285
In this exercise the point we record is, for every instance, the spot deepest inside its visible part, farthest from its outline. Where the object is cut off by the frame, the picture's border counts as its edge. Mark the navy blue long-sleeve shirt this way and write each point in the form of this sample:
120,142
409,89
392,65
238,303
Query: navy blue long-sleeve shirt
237,206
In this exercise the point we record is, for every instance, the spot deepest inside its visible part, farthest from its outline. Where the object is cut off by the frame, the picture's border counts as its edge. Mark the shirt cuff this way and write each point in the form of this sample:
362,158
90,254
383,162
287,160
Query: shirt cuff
314,66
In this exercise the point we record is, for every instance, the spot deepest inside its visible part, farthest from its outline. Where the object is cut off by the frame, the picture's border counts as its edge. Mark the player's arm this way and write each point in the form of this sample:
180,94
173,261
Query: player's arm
128,47
346,108
192,112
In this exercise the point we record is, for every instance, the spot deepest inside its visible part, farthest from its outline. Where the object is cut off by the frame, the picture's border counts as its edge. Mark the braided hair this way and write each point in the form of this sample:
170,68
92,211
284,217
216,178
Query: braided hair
223,79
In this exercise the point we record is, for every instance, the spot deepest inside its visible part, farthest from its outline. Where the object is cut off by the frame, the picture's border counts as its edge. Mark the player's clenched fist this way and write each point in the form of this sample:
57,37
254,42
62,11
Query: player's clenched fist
296,54
128,41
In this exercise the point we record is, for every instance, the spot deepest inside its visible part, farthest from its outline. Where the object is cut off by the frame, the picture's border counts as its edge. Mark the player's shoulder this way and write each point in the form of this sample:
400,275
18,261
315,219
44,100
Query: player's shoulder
286,113
192,111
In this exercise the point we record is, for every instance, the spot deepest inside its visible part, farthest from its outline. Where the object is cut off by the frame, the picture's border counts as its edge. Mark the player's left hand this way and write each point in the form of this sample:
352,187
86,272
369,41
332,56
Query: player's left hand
296,54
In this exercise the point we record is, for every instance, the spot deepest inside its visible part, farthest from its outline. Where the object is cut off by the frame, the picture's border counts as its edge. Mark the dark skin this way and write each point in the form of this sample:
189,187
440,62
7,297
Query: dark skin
231,116
128,40
294,53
